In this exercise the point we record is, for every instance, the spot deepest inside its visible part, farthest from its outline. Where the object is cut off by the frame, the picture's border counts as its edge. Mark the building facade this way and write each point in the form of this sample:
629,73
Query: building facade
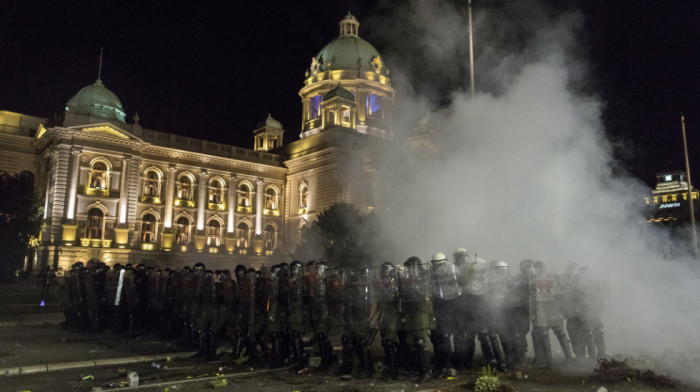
122,193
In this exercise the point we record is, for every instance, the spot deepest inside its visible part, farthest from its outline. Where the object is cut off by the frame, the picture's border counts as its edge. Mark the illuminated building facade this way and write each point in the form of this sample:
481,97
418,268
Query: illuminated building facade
669,200
123,193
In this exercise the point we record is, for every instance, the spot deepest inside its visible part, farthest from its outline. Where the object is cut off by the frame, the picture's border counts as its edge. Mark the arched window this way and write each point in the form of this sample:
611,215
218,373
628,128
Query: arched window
94,224
216,192
148,229
270,239
213,232
183,231
151,184
271,202
303,198
303,227
244,196
184,189
242,235
98,182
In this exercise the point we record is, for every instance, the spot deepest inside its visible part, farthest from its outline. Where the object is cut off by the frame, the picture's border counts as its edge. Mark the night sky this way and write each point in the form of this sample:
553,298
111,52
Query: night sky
216,71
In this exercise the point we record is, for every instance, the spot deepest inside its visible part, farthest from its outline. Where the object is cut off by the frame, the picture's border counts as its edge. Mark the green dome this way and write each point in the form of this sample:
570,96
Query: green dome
349,51
270,122
97,100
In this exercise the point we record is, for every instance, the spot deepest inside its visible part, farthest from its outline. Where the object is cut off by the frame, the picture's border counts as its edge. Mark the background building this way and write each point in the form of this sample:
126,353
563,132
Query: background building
123,193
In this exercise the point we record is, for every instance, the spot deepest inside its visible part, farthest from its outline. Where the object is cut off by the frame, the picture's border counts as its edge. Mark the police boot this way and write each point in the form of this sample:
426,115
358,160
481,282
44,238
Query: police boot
391,360
462,357
346,367
442,355
211,351
298,350
366,358
487,348
202,345
547,350
251,349
599,342
538,346
421,362
327,357
276,360
563,342
498,354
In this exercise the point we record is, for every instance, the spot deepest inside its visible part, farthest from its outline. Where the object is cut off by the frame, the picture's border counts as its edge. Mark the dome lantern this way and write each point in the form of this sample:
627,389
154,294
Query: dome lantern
349,25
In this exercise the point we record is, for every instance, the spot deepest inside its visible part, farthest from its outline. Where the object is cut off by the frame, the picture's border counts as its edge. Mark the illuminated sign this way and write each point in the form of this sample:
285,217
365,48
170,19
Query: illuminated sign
669,205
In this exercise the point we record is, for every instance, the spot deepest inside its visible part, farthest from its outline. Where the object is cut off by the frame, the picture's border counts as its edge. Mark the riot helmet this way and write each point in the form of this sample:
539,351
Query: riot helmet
538,265
525,266
239,271
498,272
476,276
460,257
387,272
117,267
77,266
321,267
295,268
413,267
438,259
199,269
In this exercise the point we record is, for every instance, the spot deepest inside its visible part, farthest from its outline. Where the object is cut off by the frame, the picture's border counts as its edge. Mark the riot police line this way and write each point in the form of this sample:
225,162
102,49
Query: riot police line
269,315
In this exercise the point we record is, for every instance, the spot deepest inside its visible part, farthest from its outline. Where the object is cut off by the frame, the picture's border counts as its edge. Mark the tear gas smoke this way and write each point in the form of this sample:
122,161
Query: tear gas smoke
524,169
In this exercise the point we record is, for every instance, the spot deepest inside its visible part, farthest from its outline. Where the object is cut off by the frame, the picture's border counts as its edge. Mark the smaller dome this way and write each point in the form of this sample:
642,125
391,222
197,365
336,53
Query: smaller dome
270,122
97,100
349,16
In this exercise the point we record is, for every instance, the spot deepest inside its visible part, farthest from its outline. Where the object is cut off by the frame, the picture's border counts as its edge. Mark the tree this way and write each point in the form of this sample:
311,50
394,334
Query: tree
20,220
343,237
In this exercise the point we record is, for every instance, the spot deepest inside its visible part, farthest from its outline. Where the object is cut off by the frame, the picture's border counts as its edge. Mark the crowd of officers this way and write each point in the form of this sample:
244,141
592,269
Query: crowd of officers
270,314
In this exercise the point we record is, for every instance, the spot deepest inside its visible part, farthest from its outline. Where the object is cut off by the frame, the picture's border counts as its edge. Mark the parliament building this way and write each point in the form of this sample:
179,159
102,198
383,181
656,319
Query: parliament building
119,192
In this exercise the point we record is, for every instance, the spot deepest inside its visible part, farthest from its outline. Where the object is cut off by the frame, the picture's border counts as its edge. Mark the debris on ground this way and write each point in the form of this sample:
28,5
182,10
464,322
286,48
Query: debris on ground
613,371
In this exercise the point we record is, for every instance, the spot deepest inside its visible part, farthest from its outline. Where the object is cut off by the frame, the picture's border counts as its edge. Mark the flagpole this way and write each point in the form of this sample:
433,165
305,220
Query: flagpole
471,50
694,234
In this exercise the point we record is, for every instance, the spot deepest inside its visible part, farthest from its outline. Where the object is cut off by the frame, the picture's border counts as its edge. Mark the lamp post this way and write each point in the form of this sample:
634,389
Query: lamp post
694,234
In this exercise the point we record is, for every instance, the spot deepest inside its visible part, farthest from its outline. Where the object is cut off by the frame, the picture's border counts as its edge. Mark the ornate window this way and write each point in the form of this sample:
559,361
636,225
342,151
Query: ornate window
185,190
148,229
242,235
94,225
315,107
374,105
213,232
216,194
271,201
244,196
98,182
303,198
303,227
182,233
270,239
151,186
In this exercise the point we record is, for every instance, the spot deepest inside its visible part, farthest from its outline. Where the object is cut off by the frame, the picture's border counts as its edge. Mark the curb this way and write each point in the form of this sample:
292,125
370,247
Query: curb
20,370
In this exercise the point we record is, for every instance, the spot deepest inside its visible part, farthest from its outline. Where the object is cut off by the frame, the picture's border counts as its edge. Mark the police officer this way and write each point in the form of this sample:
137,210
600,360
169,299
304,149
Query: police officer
445,290
415,295
388,303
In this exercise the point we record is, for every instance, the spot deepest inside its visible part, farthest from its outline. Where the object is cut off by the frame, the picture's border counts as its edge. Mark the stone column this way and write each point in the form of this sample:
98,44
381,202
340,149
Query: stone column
258,241
74,177
200,237
123,191
230,241
70,227
121,231
168,234
169,193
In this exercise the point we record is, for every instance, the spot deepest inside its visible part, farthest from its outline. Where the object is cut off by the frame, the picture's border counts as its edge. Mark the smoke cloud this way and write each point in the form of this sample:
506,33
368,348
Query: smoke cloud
524,168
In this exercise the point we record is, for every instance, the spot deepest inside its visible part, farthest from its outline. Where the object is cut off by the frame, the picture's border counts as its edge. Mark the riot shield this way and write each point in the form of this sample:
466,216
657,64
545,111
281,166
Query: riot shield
445,282
246,305
473,278
314,297
363,312
336,297
268,295
543,301
155,291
